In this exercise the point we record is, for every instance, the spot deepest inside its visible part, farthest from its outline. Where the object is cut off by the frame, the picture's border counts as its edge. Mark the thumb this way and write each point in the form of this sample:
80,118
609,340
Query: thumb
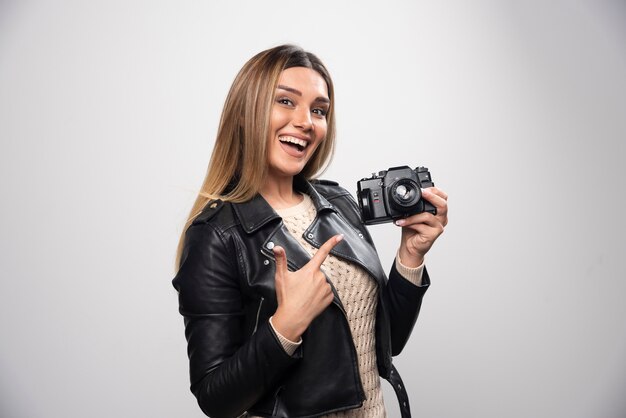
281,261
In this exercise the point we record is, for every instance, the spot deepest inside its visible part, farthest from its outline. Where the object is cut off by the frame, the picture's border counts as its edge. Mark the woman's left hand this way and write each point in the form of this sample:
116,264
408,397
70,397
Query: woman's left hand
420,231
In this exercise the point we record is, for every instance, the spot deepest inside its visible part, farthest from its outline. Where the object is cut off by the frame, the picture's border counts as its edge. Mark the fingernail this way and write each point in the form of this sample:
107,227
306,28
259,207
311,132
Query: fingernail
339,237
400,222
425,191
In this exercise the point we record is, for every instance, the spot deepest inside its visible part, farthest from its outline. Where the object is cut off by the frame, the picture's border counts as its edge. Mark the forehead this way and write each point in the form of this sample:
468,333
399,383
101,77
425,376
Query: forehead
305,80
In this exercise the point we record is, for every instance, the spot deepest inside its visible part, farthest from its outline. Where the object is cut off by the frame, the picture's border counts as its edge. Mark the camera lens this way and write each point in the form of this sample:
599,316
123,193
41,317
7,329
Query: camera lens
405,193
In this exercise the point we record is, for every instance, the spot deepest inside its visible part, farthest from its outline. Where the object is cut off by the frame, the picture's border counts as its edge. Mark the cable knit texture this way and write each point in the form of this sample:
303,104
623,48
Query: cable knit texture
358,294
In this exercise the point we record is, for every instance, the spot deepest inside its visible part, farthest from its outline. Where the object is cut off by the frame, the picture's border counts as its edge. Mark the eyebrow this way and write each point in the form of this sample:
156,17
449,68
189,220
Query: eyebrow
299,93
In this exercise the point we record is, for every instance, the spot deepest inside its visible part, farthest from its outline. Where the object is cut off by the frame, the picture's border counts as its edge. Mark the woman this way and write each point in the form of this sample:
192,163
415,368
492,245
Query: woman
287,309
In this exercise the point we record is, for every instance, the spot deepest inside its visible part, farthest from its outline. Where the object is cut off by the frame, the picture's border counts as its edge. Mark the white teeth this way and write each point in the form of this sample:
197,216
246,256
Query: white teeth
293,140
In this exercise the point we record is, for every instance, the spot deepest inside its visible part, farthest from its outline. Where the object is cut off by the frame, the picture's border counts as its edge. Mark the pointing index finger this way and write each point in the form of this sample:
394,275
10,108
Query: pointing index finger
321,254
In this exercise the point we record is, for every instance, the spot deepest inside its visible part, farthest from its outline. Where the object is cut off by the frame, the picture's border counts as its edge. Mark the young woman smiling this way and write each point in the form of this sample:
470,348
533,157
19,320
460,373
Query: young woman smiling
288,311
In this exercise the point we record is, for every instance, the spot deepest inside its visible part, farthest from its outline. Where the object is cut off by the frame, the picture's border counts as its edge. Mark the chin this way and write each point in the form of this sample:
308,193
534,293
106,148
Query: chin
287,170
293,172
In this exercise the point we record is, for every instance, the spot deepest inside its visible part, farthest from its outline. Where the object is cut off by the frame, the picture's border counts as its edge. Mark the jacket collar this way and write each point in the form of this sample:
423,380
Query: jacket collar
256,212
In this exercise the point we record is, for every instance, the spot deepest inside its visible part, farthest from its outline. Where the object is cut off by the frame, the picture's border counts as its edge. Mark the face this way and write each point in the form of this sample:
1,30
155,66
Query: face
298,121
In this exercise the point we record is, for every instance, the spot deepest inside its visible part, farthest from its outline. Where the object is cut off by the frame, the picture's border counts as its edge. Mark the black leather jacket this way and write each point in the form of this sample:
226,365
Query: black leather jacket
226,295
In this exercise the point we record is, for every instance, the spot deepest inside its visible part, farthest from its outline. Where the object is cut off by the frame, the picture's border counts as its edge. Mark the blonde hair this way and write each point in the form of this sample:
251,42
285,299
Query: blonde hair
238,164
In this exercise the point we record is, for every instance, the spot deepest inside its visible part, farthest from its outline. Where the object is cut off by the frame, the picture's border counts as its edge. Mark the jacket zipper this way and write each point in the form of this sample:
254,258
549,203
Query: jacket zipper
258,314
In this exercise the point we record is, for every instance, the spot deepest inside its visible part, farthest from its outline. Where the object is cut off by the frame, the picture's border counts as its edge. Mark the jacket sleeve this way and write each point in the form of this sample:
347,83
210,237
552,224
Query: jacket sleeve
229,371
403,301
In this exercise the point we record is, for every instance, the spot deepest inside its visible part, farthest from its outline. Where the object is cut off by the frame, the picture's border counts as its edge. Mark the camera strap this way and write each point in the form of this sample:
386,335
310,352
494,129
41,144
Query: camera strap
398,386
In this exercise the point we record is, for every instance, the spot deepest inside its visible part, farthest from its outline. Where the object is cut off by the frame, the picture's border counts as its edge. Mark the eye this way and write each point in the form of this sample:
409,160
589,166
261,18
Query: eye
320,111
284,101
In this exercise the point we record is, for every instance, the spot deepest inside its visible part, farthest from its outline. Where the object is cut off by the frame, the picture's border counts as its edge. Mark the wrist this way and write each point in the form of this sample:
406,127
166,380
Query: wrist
410,260
287,326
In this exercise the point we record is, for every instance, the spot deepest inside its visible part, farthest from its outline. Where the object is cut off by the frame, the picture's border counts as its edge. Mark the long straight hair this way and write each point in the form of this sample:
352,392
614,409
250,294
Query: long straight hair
238,164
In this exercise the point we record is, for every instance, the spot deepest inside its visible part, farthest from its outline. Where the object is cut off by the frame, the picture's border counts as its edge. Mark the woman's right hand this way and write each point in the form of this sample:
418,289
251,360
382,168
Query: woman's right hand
302,295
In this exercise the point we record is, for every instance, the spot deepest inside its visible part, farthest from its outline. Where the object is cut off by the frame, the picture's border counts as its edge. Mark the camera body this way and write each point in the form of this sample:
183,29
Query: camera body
393,194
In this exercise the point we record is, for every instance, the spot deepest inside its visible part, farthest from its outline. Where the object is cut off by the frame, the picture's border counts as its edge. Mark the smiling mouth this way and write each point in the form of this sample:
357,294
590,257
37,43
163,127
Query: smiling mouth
297,143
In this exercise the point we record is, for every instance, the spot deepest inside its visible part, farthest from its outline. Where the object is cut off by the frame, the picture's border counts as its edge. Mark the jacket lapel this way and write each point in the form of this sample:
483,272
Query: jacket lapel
354,247
256,213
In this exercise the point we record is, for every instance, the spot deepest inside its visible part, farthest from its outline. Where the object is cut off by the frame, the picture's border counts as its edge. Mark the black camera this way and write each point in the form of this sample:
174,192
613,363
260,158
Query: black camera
395,193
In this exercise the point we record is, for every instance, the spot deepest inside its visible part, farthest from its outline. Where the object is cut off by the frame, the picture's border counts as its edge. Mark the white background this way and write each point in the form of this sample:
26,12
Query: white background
108,110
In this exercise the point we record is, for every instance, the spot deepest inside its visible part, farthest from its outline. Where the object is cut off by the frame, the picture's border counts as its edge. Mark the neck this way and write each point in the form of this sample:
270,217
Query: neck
279,193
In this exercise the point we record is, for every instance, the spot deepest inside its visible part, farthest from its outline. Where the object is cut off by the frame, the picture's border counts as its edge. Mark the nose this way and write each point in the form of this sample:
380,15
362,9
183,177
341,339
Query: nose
302,119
